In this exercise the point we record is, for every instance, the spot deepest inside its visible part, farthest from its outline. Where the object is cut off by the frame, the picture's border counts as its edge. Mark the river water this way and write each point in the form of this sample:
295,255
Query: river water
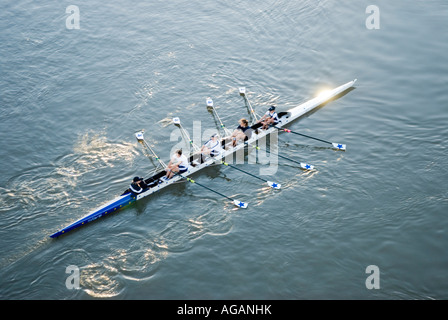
72,98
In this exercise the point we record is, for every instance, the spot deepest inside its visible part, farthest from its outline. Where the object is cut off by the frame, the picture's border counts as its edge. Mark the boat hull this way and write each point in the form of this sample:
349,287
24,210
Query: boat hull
128,198
110,207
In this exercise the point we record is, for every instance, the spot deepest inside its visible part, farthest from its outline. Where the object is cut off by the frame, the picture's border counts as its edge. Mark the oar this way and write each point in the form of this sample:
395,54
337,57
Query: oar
273,185
185,134
210,105
246,99
141,139
338,146
303,165
238,203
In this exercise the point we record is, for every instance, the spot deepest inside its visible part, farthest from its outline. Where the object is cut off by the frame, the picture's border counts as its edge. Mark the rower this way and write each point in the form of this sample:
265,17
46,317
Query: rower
212,147
178,164
240,132
138,185
269,118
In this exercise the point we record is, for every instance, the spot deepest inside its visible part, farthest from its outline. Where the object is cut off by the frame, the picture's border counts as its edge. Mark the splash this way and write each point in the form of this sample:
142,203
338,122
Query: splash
94,150
134,258
40,198
137,256
52,184
100,280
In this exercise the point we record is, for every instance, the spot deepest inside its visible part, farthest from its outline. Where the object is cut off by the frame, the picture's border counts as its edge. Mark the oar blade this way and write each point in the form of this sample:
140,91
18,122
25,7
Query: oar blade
339,146
306,166
240,204
139,135
176,120
274,185
209,103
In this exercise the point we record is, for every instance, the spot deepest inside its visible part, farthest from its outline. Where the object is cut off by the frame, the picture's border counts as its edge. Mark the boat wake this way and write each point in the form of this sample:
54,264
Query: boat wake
38,198
136,255
94,151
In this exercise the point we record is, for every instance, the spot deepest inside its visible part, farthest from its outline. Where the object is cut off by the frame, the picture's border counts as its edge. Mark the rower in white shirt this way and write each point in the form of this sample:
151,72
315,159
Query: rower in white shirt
269,118
212,147
178,164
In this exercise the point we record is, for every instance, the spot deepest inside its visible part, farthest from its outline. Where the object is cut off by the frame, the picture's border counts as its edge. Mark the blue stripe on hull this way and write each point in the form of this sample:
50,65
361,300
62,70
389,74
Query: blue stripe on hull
120,202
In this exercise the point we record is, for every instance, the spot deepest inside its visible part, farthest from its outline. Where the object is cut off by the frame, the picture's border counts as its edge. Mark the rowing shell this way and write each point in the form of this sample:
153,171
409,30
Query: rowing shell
155,184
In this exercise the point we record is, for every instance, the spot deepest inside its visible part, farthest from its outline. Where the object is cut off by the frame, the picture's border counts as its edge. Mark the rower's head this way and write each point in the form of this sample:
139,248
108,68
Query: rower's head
179,152
243,122
272,109
214,136
137,179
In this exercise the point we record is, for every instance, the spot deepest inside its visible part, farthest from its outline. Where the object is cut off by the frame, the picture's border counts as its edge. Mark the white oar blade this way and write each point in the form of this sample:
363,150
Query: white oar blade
209,102
176,120
306,166
274,185
339,146
139,135
240,204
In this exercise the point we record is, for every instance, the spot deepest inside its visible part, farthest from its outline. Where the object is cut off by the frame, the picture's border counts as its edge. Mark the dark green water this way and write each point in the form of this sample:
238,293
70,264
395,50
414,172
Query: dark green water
70,101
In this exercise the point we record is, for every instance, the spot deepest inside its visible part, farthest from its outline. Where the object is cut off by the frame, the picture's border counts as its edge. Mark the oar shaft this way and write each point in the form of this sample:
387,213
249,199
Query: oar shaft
215,113
220,121
278,155
155,155
252,111
248,173
286,158
210,189
303,135
146,146
205,187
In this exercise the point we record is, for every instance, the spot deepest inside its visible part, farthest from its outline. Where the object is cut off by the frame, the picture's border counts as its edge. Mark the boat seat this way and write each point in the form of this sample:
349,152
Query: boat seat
282,114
